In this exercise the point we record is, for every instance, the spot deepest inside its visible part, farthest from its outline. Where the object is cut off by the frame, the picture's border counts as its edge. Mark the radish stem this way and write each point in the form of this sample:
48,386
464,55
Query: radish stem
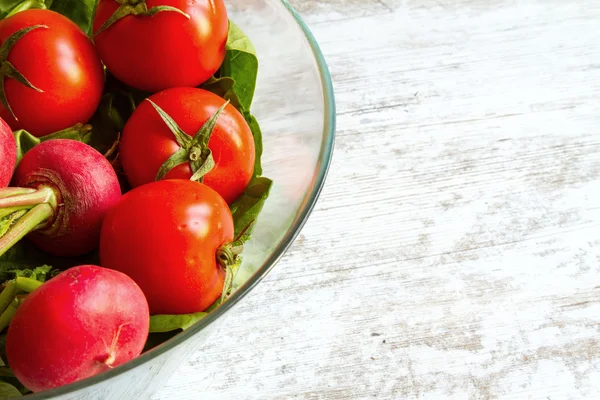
43,195
27,285
11,210
29,222
9,192
7,295
8,314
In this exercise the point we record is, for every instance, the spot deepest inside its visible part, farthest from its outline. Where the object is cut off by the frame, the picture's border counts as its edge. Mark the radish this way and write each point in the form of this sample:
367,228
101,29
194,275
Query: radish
80,323
8,153
65,189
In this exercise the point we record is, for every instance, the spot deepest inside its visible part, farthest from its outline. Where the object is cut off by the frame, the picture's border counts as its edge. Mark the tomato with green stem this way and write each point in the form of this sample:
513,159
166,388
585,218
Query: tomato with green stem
174,238
51,76
153,45
189,133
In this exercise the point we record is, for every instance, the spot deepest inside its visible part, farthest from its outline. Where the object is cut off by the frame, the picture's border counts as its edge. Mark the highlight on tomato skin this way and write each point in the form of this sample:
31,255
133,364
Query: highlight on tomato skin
182,46
148,141
165,235
65,81
80,323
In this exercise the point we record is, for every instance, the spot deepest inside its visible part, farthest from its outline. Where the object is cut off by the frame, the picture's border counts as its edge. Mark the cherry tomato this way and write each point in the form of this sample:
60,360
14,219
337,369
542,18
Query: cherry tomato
165,236
165,50
148,142
59,60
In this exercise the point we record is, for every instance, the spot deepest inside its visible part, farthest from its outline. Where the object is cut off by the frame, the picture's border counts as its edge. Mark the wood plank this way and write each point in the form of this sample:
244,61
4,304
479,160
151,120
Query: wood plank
317,11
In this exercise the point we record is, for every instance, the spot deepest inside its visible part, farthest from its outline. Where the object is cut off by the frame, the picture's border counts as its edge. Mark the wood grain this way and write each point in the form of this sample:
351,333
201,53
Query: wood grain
455,250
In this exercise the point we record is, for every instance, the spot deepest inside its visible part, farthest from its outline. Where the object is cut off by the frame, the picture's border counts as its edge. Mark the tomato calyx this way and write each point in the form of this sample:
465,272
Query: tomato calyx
136,8
7,70
229,258
193,149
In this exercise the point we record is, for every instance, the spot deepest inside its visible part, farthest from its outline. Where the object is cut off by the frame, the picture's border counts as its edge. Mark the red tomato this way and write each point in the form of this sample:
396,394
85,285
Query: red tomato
61,61
165,236
147,141
166,50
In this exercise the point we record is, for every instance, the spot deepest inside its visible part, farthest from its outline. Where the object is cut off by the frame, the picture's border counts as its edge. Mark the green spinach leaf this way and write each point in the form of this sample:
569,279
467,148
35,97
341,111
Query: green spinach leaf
8,391
168,323
79,11
225,88
25,256
247,208
11,7
240,64
258,146
41,274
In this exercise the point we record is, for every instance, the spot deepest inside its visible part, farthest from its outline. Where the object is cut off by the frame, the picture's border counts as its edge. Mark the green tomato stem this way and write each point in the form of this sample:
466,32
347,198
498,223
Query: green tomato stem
136,7
228,257
27,285
194,150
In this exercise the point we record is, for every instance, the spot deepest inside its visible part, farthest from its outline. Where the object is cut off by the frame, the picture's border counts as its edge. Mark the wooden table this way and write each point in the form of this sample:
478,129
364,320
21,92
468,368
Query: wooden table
455,251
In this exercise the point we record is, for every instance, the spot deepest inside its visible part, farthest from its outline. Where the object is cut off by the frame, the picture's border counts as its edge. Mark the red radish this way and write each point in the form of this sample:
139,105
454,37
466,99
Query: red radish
8,153
65,189
83,322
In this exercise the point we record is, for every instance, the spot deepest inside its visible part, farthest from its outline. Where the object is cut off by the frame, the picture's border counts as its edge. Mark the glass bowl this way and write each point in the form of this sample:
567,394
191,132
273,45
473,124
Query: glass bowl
294,104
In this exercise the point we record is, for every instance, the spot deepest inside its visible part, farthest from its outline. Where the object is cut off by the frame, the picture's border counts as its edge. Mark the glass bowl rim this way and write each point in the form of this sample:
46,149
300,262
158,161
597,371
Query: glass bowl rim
311,198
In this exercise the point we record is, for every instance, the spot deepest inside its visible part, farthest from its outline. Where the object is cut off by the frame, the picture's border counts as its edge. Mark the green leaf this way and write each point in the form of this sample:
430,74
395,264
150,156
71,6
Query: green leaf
25,256
41,274
240,64
117,104
257,133
26,141
8,391
79,11
107,123
247,208
225,88
11,7
168,323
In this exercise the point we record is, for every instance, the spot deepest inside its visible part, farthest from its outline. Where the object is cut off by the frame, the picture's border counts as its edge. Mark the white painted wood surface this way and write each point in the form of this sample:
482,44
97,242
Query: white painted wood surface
455,251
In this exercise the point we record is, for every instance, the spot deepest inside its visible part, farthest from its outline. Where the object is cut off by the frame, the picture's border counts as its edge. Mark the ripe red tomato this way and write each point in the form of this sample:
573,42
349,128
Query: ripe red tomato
148,142
165,236
165,50
61,61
